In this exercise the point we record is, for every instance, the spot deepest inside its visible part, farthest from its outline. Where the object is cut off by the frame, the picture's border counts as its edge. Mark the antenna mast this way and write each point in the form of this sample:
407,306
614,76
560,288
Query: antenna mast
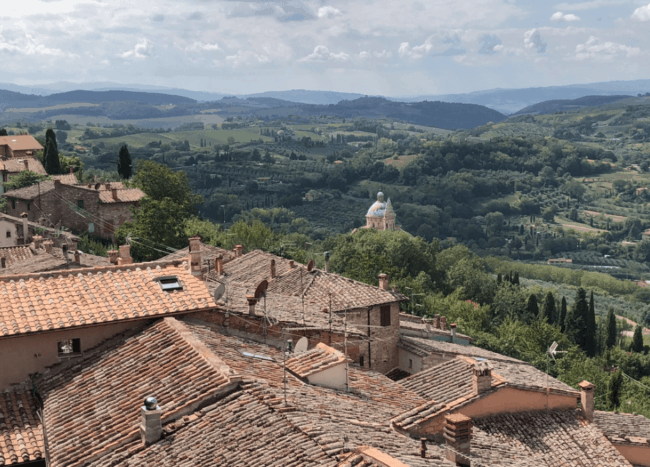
345,350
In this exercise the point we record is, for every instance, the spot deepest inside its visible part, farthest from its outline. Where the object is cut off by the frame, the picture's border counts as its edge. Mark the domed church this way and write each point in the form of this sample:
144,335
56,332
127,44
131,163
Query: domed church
381,215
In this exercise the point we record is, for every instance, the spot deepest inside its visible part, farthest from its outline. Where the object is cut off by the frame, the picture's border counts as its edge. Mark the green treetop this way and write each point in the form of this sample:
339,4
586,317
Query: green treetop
611,329
124,164
637,339
562,317
52,163
549,308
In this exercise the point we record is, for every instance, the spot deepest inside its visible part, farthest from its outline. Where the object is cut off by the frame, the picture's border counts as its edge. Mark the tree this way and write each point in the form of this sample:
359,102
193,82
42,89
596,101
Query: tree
52,163
563,313
532,310
124,163
50,135
23,179
614,388
611,329
62,136
590,319
549,308
577,327
637,339
3,132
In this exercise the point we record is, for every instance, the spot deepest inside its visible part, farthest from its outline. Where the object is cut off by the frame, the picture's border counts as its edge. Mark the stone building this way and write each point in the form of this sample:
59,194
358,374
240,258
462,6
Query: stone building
381,215
97,208
18,146
16,231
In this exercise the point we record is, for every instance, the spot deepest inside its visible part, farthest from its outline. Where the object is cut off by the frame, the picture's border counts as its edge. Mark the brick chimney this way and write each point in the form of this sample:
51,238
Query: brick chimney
239,250
77,257
37,239
443,323
383,281
114,193
218,264
481,377
273,269
458,434
48,244
436,321
125,255
587,399
71,170
112,256
452,326
150,421
292,264
57,183
24,216
327,261
195,256
252,301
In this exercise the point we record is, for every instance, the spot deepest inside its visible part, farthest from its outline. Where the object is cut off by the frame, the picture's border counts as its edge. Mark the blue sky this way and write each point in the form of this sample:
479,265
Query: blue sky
387,47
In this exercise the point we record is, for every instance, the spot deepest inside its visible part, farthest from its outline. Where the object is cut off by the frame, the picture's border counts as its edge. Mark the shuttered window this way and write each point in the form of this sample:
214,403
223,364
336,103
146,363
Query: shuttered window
385,315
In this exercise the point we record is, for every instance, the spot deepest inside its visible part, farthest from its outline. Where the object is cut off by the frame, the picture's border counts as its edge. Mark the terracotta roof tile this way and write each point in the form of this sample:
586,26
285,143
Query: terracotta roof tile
15,165
442,383
15,255
312,361
21,431
46,232
208,255
624,428
125,195
38,260
21,142
426,347
66,179
72,298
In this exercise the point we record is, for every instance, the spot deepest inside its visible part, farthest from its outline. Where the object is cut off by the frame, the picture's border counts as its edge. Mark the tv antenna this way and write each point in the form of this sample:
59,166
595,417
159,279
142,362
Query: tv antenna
551,352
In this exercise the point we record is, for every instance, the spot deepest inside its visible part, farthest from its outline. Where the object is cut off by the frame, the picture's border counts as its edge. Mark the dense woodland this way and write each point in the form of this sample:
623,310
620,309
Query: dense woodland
481,211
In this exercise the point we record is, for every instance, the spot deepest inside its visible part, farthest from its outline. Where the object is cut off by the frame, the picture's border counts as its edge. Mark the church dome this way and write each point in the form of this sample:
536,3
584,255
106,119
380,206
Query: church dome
378,209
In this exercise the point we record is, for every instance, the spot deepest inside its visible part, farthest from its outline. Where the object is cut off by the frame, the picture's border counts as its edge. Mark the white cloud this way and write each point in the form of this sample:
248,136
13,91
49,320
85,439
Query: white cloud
383,54
244,58
321,53
363,54
200,46
533,41
642,13
592,5
328,12
28,45
142,49
446,43
567,18
607,50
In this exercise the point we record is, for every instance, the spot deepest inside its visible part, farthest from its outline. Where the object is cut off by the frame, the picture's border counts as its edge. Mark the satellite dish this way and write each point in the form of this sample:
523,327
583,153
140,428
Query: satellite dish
310,265
302,344
219,291
261,288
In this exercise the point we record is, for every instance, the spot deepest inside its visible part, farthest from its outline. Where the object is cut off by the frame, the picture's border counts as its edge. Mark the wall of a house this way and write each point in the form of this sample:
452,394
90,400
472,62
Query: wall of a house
409,362
333,378
6,226
635,455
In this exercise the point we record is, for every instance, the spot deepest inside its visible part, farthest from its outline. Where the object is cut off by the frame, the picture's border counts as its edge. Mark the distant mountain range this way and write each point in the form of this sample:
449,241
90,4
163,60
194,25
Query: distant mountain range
552,106
504,100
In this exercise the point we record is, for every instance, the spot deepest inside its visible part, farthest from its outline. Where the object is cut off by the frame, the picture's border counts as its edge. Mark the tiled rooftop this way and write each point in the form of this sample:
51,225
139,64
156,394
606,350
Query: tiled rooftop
318,286
46,232
312,361
208,255
64,299
426,347
15,255
93,406
418,323
25,259
21,431
15,165
624,428
542,439
21,142
124,195
32,191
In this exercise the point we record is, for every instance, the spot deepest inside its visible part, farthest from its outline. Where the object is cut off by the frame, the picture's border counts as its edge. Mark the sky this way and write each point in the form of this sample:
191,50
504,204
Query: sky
378,47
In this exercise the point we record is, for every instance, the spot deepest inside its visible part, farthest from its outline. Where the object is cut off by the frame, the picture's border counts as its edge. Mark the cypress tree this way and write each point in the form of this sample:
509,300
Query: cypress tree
576,321
562,317
590,320
637,339
549,308
614,390
611,329
52,163
532,310
124,163
499,278
516,279
50,135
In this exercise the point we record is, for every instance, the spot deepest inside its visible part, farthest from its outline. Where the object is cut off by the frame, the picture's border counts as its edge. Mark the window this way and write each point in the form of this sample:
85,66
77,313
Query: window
385,315
69,347
13,204
170,283
410,363
8,233
91,227
80,203
361,360
29,205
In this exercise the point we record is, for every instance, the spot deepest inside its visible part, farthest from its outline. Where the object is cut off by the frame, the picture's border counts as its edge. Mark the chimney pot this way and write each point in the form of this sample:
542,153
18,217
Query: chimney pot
458,434
195,256
37,241
48,244
150,421
251,304
112,256
452,326
587,399
57,183
239,250
77,257
443,323
481,377
327,261
423,448
125,255
384,281
218,264
71,170
292,264
272,269
436,321
114,193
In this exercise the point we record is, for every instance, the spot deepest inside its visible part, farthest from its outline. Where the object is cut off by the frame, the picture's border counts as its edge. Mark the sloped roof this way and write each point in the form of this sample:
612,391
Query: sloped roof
15,254
548,438
624,428
425,347
125,195
32,191
21,142
65,299
320,358
21,431
66,179
318,287
46,232
15,165
25,259
208,255
95,403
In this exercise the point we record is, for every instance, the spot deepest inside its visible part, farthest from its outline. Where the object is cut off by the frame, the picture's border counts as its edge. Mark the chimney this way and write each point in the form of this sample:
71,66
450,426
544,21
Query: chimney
436,321
37,241
71,170
443,323
26,164
272,269
239,250
218,264
383,281
48,244
108,186
452,326
587,400
251,304
327,261
125,255
458,434
292,264
112,256
114,193
195,256
481,377
77,257
24,217
150,421
57,183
